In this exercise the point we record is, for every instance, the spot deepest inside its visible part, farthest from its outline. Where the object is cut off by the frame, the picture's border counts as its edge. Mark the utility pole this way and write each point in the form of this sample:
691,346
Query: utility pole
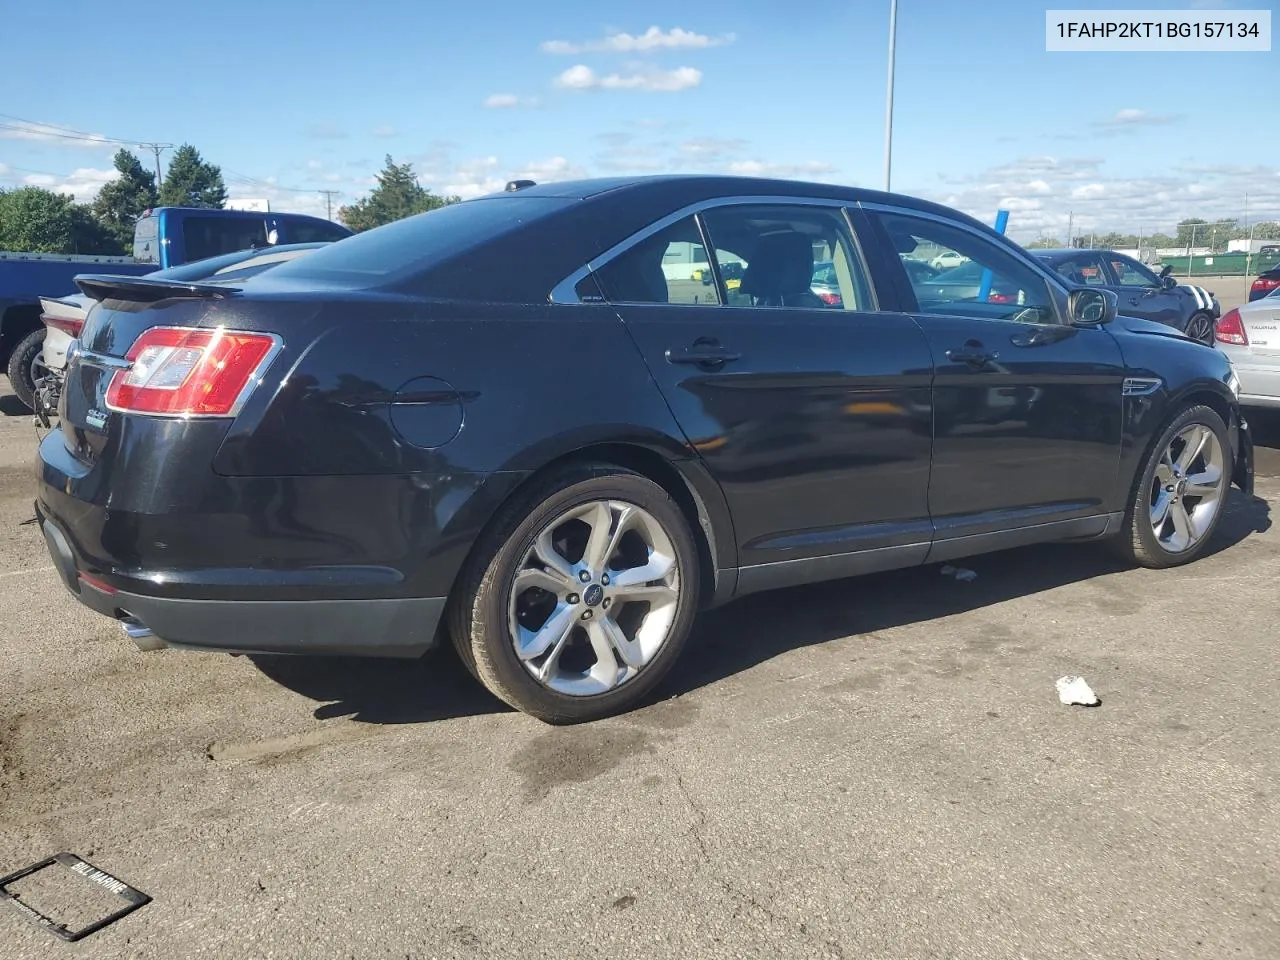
328,202
1071,228
156,148
888,109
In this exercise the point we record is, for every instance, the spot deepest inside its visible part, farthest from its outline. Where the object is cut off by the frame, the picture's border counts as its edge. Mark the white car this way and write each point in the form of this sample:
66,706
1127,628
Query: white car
1250,337
948,259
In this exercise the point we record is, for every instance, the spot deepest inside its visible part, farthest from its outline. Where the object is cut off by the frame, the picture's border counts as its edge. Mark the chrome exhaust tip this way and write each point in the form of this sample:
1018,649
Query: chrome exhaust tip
141,635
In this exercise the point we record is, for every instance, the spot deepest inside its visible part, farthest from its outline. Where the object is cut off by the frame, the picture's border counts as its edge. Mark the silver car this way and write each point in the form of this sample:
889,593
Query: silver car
1250,337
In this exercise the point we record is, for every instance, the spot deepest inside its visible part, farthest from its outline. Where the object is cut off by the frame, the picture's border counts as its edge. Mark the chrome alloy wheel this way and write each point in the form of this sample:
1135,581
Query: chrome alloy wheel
1188,488
594,598
1200,328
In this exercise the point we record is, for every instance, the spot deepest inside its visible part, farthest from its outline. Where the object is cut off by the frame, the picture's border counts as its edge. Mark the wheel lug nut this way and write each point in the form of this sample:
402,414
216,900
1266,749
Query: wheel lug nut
572,598
605,579
606,603
586,615
584,576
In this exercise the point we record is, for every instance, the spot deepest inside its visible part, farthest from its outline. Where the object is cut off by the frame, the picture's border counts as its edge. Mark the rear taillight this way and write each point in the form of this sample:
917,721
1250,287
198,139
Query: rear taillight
1230,329
1264,285
65,324
830,299
184,371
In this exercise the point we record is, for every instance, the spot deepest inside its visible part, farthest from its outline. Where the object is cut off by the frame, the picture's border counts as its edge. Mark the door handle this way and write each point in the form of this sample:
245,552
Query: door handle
973,354
702,353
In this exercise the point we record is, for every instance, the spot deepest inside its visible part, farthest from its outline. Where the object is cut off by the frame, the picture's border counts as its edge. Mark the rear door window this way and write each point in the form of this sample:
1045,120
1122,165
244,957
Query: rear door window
210,236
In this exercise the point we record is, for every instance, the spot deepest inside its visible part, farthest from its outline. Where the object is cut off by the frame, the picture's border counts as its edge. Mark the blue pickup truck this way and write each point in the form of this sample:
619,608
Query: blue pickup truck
164,237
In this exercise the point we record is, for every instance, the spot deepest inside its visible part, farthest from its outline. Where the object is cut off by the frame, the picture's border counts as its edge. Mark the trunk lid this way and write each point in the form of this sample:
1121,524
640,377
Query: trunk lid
1261,320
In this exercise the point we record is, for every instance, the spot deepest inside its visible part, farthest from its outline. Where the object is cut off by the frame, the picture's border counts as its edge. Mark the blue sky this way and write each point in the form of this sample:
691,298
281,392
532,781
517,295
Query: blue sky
285,94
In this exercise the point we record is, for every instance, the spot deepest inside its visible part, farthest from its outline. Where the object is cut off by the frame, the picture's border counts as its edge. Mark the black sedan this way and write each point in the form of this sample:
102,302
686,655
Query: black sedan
1141,291
1265,284
503,425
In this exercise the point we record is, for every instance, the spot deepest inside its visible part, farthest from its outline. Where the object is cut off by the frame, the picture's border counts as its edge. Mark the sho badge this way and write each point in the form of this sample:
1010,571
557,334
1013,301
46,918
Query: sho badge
96,418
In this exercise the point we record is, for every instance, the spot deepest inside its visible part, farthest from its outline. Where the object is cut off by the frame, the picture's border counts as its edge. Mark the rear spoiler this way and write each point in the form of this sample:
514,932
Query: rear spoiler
106,286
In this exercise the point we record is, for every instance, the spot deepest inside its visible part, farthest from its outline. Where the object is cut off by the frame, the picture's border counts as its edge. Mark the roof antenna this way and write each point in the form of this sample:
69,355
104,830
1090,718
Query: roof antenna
514,185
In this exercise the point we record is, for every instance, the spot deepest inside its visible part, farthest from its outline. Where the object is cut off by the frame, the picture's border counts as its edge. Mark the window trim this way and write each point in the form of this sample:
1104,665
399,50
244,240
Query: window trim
564,293
1051,276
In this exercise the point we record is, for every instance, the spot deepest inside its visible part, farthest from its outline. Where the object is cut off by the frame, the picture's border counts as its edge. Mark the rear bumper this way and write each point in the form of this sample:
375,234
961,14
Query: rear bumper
381,627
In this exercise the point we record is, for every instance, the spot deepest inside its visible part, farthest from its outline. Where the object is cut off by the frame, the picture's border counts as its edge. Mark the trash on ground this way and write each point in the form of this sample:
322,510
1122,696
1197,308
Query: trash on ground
1074,690
963,574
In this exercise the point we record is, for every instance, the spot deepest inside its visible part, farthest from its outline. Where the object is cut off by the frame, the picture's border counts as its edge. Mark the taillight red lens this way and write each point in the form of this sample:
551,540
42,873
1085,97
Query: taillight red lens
65,324
831,299
999,298
184,371
1230,329
1265,284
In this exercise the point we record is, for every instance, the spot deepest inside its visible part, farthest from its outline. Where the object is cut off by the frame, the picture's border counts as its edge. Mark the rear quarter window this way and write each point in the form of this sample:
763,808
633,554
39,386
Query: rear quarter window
209,236
405,247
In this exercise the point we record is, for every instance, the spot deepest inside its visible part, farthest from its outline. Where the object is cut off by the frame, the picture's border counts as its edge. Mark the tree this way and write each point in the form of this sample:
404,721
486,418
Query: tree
35,220
397,195
121,201
192,182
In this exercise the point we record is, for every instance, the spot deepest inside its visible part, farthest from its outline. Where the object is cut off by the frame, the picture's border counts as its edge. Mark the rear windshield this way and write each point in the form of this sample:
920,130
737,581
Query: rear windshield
145,248
415,243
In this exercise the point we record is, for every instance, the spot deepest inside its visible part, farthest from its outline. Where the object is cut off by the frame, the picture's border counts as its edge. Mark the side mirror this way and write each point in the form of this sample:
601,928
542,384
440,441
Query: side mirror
1091,306
1167,282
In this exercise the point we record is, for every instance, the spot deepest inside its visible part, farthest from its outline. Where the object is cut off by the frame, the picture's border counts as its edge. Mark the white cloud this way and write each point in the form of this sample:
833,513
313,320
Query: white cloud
508,101
807,169
652,39
582,77
47,133
1130,119
1043,193
82,183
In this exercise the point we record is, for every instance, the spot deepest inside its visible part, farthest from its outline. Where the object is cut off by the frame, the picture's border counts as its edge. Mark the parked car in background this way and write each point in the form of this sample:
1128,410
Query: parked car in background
554,466
946,260
1265,284
64,317
1250,337
825,284
1140,290
164,237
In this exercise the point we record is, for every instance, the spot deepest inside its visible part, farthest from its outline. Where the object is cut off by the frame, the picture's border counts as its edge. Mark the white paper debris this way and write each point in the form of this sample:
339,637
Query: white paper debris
1074,690
960,573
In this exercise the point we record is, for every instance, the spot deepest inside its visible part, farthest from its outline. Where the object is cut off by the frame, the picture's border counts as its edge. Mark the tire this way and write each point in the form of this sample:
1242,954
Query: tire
487,600
1138,540
21,361
1200,328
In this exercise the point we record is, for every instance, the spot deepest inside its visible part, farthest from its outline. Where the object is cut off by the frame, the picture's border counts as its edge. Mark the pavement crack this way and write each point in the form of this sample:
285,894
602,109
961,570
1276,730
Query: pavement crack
745,901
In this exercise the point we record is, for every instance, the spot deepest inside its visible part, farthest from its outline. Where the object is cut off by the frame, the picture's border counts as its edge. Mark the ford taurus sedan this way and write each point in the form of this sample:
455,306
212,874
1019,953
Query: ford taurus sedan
499,425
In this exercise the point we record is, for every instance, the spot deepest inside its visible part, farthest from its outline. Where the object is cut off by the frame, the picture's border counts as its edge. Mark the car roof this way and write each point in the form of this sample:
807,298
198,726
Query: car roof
712,186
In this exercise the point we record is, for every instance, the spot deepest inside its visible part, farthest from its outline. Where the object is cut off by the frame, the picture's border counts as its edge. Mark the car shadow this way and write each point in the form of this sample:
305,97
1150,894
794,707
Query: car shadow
11,406
760,627
740,635
435,687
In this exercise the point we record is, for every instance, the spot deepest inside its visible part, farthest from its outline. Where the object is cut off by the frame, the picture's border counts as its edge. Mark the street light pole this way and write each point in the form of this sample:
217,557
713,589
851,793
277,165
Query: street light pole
888,109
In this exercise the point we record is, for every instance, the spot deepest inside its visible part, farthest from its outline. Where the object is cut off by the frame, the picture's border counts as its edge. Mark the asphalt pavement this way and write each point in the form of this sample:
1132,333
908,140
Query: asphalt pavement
872,768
